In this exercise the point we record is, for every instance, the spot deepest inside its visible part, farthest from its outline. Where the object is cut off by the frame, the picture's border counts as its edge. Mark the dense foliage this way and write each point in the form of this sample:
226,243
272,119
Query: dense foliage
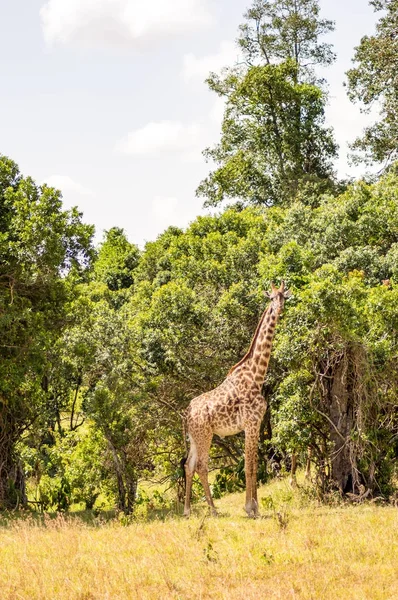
43,251
101,351
130,359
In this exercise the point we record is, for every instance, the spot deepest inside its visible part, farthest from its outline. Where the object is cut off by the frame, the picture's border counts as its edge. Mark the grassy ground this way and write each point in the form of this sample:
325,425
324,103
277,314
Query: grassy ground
296,550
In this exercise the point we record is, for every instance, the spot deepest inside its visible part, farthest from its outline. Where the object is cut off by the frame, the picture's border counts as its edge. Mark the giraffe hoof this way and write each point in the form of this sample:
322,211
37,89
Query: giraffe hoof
252,510
187,514
214,512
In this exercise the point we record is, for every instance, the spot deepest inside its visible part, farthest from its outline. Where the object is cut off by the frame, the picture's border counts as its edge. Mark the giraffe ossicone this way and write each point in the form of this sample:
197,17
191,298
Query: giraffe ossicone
237,404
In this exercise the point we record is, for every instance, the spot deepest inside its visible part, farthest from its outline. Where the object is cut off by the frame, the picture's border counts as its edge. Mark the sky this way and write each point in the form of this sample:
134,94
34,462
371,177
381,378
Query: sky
106,100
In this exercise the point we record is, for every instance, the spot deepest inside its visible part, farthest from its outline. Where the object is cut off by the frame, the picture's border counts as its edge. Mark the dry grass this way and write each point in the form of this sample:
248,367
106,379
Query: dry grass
292,552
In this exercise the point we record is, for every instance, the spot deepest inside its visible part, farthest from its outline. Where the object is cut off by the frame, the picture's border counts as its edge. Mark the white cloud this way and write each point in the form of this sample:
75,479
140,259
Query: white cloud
162,137
217,111
169,210
199,67
164,208
348,123
67,184
120,22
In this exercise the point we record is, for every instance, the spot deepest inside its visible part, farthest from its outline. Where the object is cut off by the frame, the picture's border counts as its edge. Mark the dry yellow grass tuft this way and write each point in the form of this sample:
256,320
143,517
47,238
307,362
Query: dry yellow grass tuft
305,552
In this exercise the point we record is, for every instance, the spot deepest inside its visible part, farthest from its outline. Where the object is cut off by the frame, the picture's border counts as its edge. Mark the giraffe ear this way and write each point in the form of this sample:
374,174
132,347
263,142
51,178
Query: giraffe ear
267,294
287,294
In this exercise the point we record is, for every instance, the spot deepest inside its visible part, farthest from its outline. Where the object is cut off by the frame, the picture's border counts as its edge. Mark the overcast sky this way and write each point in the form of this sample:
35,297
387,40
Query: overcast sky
106,100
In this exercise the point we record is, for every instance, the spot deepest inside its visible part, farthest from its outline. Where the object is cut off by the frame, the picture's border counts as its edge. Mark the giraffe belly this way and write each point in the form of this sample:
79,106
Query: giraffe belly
225,430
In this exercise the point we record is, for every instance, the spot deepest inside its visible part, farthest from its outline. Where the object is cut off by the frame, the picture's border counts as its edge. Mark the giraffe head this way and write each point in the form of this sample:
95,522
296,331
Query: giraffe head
278,295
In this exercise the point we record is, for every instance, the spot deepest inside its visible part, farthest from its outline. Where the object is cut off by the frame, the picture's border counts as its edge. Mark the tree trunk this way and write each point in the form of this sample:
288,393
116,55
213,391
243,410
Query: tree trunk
131,494
126,483
12,478
308,465
293,470
339,403
121,488
272,457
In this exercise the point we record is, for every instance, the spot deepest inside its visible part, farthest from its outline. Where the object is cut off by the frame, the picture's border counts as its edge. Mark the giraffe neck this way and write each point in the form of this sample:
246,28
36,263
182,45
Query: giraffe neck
257,358
262,344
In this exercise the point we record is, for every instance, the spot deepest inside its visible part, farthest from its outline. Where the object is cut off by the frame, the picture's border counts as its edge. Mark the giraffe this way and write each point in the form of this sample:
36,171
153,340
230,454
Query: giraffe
235,405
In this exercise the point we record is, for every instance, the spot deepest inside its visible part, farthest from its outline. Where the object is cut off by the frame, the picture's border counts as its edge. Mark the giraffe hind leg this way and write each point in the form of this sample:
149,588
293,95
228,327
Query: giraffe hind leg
198,461
190,468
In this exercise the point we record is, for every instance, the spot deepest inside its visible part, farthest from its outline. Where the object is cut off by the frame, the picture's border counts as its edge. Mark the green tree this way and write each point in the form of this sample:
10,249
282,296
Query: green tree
336,382
42,250
274,141
373,82
100,368
116,261
113,395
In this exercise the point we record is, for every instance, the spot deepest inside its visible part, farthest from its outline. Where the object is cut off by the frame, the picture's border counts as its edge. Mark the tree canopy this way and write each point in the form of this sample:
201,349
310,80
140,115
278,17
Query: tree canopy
277,31
373,82
274,141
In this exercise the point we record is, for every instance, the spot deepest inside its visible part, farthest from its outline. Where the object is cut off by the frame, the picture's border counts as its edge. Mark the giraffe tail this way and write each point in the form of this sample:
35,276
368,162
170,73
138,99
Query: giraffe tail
182,467
185,438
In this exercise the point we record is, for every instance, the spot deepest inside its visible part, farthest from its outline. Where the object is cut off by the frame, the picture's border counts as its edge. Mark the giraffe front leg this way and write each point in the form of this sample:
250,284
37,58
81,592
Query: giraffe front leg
203,474
251,460
254,482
